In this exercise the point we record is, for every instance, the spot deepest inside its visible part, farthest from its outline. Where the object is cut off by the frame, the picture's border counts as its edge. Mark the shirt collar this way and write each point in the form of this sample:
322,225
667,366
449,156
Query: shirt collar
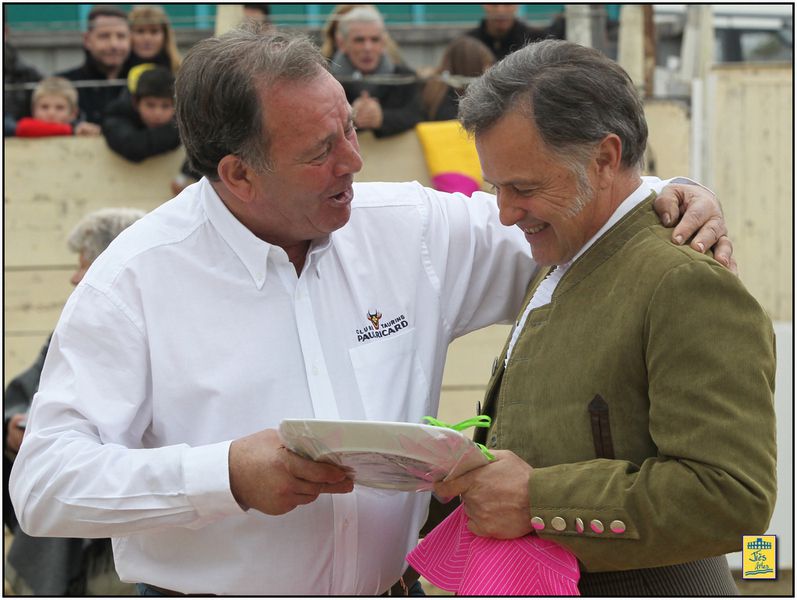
250,249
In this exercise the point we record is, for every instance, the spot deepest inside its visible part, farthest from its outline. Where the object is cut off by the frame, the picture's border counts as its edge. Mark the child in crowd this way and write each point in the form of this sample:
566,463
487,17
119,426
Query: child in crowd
141,125
152,38
55,111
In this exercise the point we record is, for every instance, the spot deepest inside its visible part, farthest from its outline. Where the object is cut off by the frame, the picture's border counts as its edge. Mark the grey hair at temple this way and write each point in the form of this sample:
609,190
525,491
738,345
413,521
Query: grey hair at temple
95,231
574,95
218,92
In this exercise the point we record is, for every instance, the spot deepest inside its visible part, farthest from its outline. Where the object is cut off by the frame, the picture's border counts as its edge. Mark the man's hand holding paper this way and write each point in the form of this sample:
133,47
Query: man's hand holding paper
266,476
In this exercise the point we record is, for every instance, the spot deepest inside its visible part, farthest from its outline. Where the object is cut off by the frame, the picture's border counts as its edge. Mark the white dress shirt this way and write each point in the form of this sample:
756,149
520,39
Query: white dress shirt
190,332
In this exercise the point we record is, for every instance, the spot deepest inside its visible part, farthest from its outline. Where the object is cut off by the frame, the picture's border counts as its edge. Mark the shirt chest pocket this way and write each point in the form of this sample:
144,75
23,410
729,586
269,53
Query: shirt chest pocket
392,384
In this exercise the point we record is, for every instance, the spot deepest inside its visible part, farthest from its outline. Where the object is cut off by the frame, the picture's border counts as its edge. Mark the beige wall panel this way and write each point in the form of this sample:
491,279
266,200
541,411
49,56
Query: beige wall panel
20,354
751,170
470,358
397,158
33,300
51,183
456,406
668,138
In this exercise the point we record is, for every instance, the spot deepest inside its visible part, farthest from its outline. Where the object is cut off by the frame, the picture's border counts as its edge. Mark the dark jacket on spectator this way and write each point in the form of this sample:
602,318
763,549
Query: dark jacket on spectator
16,103
161,60
94,100
517,37
401,104
127,135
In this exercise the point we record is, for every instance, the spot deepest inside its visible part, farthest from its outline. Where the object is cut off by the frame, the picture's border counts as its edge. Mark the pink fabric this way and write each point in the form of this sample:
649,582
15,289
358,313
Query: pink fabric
456,560
453,182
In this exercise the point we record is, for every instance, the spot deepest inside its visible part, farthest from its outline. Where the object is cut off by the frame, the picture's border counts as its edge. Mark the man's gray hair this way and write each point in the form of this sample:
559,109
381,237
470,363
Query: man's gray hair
574,95
218,92
361,14
95,231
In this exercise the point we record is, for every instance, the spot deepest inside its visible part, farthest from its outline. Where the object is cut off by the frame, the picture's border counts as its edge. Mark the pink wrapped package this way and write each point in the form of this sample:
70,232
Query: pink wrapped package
456,560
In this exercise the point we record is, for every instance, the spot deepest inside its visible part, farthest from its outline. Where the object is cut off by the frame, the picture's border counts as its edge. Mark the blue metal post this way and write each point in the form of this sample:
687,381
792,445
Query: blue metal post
418,14
202,14
313,15
83,11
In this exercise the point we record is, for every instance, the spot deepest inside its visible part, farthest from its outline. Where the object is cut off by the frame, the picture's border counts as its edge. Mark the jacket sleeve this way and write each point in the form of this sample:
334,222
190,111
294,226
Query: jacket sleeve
401,108
710,359
30,127
125,137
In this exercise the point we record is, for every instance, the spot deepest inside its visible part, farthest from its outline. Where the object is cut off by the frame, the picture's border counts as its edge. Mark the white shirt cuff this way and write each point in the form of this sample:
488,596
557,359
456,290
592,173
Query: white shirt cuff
206,473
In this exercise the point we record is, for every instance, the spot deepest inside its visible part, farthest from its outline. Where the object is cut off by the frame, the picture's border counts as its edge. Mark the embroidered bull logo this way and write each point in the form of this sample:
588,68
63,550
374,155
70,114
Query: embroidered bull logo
374,318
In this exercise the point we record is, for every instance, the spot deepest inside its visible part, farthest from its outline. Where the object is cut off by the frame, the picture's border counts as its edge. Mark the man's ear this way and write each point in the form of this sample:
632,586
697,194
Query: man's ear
236,177
608,159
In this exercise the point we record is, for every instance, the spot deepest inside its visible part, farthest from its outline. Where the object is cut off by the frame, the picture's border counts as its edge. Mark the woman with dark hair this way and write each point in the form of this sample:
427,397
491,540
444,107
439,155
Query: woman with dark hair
463,57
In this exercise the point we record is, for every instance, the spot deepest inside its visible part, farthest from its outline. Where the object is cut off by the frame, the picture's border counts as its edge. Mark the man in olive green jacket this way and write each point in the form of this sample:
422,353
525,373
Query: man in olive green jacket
633,403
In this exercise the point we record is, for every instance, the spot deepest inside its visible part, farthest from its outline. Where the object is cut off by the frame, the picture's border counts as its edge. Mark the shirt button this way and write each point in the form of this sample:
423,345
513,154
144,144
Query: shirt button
493,441
558,523
537,523
579,525
495,366
617,526
596,526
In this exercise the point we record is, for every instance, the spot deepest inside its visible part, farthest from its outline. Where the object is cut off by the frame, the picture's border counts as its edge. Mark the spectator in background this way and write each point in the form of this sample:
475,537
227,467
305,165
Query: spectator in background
152,38
329,33
463,57
502,32
55,111
382,108
141,125
16,103
259,12
107,46
59,566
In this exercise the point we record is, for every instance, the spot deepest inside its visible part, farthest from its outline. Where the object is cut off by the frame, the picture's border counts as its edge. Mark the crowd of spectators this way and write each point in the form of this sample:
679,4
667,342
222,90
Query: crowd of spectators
387,94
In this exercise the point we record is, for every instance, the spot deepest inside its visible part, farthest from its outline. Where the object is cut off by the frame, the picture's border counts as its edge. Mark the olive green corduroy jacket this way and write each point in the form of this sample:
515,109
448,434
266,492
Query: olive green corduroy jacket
643,393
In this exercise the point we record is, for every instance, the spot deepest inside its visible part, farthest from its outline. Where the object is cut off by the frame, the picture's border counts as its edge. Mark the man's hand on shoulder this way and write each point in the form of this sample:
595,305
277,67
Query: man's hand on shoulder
268,477
692,209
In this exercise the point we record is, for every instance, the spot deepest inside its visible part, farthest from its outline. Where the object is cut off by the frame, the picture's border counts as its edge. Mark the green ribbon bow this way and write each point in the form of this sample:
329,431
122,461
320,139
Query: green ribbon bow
480,421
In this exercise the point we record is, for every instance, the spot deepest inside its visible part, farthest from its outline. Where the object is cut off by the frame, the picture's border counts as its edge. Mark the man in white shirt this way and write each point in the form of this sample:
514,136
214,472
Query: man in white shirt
237,304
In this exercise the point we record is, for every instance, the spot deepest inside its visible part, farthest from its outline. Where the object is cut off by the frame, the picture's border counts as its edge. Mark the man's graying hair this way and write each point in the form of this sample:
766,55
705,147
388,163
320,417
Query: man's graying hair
94,233
574,95
217,93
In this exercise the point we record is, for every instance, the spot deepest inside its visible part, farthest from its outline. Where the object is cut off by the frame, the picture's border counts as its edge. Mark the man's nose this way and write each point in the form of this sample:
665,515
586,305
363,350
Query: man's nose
350,161
508,212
